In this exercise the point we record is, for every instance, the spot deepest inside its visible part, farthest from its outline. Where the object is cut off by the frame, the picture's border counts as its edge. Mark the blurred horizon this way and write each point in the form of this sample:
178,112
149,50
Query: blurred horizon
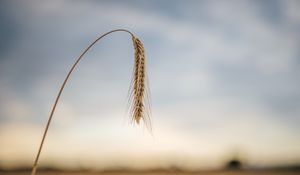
224,80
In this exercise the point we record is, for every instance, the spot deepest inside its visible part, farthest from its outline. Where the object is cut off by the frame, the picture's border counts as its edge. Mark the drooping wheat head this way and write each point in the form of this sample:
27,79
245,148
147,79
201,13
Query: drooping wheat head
139,105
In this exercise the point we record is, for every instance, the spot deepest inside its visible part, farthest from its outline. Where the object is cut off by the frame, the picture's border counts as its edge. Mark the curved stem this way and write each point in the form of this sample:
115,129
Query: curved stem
35,165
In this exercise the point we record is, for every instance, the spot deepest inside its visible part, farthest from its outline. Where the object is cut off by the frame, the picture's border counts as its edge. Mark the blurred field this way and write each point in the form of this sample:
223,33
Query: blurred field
166,173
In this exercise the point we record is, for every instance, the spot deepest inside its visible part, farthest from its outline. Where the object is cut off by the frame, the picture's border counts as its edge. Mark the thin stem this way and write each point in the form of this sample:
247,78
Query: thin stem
35,165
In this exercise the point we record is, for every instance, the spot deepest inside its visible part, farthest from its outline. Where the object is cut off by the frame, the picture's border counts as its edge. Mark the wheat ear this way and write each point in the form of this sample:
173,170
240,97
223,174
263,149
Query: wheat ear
137,101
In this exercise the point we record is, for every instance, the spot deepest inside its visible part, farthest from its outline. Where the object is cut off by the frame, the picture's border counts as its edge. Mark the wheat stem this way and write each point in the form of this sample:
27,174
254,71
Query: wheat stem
138,91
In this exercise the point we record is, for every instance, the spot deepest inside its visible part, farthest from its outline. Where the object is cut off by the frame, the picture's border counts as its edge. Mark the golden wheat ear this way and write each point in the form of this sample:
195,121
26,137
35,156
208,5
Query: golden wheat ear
138,101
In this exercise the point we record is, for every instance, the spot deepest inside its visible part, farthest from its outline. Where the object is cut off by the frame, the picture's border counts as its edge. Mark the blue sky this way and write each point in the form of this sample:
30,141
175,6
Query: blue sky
224,79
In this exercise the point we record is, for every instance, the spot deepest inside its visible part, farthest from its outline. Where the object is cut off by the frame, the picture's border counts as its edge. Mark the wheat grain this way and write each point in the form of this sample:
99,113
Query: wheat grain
138,101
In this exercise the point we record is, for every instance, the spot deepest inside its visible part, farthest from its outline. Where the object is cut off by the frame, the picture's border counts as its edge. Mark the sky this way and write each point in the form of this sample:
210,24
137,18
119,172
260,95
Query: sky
223,75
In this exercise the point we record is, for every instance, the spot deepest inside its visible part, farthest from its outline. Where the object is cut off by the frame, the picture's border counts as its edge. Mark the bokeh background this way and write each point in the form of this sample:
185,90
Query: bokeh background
224,79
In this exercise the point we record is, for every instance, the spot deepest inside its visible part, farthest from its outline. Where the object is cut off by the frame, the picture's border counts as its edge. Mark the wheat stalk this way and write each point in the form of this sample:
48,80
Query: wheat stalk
139,93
